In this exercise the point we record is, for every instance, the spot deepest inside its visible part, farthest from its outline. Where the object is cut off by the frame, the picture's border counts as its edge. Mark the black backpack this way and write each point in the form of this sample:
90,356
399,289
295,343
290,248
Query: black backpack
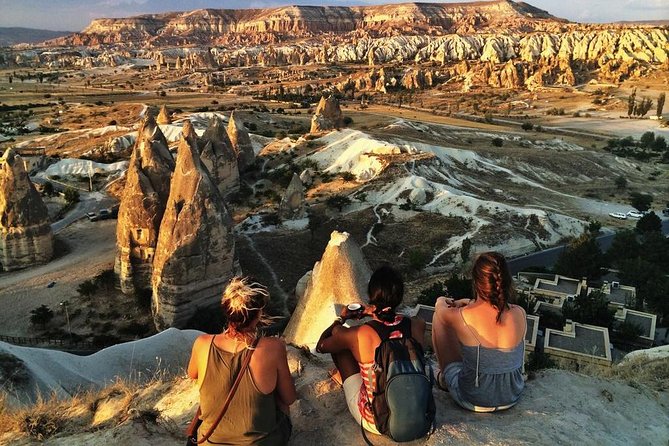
403,404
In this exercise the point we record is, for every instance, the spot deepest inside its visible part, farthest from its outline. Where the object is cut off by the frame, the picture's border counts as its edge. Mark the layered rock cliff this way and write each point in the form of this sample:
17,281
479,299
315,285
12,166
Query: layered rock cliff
25,230
241,143
142,207
207,25
195,251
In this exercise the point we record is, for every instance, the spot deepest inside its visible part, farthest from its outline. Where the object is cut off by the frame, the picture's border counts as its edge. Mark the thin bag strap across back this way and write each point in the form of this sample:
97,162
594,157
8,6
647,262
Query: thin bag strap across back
233,389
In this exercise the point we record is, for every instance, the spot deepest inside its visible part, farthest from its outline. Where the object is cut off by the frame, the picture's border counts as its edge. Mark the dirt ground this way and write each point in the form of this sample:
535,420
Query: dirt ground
90,249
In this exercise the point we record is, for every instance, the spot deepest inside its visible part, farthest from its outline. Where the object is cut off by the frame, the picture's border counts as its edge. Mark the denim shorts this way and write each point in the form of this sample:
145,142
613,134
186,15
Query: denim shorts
450,376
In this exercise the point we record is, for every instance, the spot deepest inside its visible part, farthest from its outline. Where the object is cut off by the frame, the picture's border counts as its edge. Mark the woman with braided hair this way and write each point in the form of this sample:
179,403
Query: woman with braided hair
258,409
480,342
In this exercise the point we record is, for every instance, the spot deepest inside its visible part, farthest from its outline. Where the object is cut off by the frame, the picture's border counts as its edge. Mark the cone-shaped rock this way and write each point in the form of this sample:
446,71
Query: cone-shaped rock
219,157
164,116
340,277
195,253
142,206
25,231
241,143
328,115
292,203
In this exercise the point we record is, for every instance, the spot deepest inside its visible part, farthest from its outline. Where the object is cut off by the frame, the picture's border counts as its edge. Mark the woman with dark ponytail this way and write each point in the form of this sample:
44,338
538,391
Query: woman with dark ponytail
353,348
480,343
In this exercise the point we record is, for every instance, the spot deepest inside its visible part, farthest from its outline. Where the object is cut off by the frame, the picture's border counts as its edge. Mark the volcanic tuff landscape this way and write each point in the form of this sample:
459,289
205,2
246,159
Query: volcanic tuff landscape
305,146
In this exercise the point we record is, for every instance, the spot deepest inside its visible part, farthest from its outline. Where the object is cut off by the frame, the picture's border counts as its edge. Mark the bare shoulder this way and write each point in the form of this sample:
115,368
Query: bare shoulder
272,343
518,310
202,340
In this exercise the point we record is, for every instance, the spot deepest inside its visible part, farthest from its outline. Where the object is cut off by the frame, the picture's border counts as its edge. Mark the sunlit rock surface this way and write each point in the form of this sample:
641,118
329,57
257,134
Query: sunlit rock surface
339,278
26,238
195,253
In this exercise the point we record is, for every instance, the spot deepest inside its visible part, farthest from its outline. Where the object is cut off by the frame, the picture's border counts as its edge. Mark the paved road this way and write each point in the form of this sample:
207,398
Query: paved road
548,257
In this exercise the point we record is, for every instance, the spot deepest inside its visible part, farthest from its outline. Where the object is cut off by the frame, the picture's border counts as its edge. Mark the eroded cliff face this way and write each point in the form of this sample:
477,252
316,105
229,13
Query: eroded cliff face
25,230
219,157
195,251
142,207
298,21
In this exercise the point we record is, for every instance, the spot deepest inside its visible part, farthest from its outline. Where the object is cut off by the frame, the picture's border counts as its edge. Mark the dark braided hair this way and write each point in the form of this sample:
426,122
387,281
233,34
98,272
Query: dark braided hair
385,291
491,281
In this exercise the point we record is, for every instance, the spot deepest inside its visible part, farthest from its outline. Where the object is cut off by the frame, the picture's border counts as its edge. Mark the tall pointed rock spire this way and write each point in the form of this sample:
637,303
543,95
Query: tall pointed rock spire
195,253
142,207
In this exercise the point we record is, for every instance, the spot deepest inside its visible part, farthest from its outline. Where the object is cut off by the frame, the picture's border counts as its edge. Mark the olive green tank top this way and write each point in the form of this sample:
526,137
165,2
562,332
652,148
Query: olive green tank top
252,418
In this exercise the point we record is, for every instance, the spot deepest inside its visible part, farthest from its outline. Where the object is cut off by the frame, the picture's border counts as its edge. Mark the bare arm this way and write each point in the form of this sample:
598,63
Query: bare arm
341,339
192,364
285,387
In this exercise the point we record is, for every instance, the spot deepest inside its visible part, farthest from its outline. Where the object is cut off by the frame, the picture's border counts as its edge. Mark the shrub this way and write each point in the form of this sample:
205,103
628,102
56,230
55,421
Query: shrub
348,121
41,315
527,126
347,176
71,195
497,142
87,288
338,201
538,361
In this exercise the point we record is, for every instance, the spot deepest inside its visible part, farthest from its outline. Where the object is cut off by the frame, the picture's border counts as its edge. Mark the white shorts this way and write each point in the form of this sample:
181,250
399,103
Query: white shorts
352,386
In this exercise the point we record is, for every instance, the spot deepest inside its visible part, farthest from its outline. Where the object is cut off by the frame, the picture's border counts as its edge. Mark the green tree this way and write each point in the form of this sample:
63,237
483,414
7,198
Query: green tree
87,288
660,104
466,249
621,182
316,220
527,126
649,223
647,139
625,245
71,195
660,144
582,257
47,189
338,201
641,201
594,227
41,315
631,103
497,142
592,309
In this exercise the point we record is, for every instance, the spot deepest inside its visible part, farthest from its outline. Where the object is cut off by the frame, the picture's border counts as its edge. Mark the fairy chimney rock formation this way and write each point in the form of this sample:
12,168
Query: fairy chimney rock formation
241,142
164,116
195,253
142,206
340,277
292,204
26,238
328,115
218,156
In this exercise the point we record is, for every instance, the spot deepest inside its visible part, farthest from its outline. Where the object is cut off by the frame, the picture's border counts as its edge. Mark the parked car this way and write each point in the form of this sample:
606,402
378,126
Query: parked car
618,215
635,214
92,216
665,212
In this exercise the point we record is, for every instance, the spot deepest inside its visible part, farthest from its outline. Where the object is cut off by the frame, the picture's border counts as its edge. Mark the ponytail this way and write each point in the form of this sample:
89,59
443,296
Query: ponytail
491,281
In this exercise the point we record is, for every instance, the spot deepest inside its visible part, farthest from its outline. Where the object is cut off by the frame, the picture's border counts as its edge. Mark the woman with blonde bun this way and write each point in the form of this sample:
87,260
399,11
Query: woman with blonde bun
258,410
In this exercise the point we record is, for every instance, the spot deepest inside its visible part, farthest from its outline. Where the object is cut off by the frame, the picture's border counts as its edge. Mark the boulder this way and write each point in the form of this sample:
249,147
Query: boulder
26,238
292,206
241,143
328,115
195,252
219,157
142,206
340,277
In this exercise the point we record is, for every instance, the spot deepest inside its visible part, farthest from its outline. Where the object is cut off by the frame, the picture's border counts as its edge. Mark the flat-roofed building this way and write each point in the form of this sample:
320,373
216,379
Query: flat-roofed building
550,290
579,342
618,295
645,321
